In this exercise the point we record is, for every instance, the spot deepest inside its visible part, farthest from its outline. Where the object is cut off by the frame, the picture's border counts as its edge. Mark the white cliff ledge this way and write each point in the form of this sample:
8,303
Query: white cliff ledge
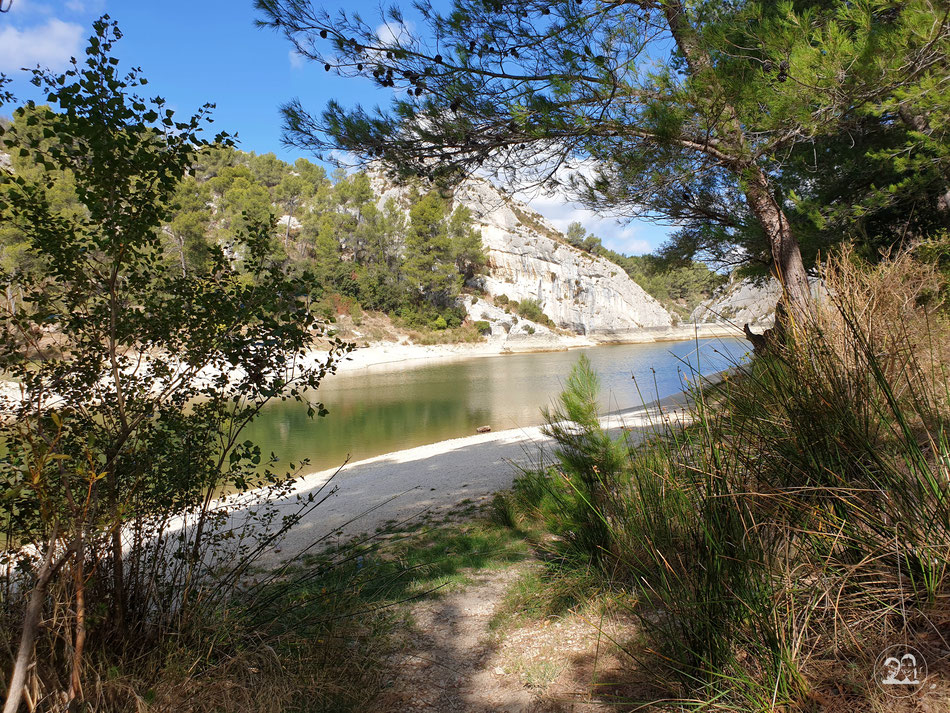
528,260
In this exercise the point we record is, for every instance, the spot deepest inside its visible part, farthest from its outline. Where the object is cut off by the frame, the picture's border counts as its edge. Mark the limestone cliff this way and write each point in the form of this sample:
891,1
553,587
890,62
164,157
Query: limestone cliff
530,259
744,301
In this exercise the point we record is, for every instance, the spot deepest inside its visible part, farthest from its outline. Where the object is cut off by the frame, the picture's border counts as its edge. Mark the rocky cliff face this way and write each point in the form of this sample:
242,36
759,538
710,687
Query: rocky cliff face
740,302
529,259
745,302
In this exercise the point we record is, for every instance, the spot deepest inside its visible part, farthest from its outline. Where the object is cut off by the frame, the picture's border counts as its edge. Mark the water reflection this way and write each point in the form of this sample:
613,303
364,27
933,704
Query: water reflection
377,411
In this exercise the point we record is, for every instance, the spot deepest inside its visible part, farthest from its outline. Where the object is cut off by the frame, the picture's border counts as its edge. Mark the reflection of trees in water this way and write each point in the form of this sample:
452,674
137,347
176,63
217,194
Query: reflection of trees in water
375,413
377,418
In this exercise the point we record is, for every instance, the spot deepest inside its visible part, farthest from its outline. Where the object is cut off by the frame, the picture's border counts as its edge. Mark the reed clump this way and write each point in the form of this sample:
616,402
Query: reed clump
800,522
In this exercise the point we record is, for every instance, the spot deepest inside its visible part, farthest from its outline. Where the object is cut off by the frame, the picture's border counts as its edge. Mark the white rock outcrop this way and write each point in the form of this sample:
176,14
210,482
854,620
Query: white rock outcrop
745,301
529,259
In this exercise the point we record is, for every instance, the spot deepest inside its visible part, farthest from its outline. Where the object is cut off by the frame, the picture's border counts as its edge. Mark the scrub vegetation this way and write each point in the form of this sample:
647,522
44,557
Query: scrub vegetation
799,524
759,554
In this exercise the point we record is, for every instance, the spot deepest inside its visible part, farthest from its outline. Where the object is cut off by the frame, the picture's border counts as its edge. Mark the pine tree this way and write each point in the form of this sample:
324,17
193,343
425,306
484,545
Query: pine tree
429,264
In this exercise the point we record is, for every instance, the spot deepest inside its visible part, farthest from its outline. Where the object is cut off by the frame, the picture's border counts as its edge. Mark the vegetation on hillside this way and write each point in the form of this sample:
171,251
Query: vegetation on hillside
678,285
358,256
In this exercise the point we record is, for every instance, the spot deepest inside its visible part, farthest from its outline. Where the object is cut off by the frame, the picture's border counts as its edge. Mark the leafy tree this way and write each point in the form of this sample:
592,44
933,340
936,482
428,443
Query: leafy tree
467,250
268,170
661,95
313,174
214,158
575,234
330,271
521,86
355,192
134,417
871,165
190,225
429,261
389,236
242,200
381,281
291,190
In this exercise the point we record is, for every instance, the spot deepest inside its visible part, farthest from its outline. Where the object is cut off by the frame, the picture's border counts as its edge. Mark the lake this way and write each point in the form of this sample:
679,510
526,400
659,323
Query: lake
391,407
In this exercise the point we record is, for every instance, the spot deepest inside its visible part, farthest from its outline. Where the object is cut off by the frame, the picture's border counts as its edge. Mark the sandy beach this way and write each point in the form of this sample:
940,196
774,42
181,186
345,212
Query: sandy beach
432,479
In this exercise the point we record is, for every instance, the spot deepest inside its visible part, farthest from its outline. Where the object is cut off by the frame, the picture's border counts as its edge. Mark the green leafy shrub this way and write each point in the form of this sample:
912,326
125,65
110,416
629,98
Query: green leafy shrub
439,323
325,310
531,309
483,327
356,313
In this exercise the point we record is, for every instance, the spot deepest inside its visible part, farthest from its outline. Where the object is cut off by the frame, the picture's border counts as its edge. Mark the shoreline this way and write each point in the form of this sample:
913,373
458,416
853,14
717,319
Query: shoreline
393,355
384,354
424,481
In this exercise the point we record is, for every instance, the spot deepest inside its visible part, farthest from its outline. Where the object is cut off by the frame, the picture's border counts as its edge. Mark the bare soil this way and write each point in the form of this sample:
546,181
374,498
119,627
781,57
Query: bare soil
452,662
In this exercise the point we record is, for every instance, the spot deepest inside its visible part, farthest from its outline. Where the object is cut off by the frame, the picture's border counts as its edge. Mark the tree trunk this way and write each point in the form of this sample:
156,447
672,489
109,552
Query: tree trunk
118,577
786,254
293,207
181,254
787,265
31,622
75,695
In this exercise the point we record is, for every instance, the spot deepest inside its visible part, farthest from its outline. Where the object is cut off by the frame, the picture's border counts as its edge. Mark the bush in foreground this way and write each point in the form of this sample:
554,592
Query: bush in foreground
800,522
135,380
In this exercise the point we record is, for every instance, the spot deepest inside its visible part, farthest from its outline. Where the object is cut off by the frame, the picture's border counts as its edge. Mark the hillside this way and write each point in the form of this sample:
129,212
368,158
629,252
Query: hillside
530,260
440,266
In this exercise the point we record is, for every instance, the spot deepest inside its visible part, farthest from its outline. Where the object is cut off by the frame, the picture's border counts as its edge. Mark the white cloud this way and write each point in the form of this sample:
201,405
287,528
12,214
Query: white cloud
625,237
87,7
392,33
49,45
296,59
27,7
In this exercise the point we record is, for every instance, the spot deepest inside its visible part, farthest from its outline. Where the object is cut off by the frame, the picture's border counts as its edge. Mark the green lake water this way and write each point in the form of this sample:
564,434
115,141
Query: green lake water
391,407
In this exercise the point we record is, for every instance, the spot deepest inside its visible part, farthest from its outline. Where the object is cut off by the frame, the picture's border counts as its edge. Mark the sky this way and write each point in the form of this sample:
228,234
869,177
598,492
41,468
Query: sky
210,51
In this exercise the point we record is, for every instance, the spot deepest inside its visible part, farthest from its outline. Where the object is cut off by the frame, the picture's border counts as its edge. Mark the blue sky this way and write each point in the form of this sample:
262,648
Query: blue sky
210,51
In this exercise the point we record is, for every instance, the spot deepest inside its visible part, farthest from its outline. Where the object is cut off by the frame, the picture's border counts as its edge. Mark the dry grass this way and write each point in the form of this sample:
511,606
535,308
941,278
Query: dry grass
222,661
465,334
800,525
897,307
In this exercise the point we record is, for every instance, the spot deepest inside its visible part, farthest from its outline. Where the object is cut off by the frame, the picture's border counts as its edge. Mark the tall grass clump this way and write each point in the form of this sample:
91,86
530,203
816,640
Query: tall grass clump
799,522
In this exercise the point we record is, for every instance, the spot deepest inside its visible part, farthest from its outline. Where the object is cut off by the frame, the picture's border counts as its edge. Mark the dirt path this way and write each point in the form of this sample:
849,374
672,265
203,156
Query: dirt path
454,663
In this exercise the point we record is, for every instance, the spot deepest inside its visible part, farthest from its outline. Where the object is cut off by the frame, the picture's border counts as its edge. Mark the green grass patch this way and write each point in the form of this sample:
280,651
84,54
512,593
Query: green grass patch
399,566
